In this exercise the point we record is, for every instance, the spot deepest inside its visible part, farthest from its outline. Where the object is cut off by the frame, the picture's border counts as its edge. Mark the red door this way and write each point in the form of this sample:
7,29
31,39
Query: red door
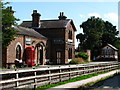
30,56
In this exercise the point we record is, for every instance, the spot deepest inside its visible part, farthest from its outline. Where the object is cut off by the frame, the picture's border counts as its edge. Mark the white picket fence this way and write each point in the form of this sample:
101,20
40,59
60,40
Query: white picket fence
41,76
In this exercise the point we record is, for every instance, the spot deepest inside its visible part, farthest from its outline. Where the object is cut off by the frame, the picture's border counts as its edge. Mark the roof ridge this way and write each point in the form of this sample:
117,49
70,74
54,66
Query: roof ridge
55,20
55,23
112,46
50,20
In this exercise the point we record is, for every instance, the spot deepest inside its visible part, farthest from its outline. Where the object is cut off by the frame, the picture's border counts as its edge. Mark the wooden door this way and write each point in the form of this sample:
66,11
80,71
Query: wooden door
58,57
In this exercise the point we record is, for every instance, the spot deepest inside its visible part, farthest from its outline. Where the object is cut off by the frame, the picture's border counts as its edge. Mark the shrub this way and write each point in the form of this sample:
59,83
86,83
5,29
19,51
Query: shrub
83,55
80,60
74,62
76,55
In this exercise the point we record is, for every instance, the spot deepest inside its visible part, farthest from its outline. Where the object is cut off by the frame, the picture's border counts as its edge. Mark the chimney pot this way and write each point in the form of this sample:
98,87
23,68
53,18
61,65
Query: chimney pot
62,17
34,11
10,7
62,13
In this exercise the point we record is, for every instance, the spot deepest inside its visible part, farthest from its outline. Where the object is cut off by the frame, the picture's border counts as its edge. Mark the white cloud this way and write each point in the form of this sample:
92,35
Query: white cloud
111,16
94,14
81,15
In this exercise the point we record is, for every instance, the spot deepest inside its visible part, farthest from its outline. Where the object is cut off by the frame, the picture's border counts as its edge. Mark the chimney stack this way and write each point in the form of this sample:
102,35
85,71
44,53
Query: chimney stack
35,19
10,9
62,17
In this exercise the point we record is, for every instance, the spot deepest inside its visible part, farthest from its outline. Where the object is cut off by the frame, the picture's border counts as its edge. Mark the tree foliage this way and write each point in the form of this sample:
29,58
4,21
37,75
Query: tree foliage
110,33
83,55
8,33
92,32
97,33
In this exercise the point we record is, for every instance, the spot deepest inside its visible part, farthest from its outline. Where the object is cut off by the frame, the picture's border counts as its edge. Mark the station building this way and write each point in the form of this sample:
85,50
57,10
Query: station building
51,40
60,33
26,38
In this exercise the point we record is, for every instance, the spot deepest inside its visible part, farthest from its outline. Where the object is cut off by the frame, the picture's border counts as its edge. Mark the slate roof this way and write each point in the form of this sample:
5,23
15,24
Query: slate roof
50,23
27,24
28,32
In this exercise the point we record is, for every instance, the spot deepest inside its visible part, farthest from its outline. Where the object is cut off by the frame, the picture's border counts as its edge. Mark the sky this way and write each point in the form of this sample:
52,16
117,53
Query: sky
77,11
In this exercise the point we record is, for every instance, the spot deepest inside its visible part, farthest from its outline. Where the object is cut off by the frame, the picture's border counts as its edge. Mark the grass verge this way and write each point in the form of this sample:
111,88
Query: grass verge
71,80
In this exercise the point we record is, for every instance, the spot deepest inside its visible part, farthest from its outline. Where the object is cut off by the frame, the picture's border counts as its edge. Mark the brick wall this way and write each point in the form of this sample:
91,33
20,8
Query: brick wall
11,49
52,48
20,40
71,45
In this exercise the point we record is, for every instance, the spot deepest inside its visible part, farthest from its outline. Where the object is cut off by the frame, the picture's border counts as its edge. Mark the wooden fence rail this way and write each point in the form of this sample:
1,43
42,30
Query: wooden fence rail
41,76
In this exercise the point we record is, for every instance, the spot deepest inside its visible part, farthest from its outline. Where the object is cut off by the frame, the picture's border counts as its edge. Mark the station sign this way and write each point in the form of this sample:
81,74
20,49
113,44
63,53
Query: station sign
28,41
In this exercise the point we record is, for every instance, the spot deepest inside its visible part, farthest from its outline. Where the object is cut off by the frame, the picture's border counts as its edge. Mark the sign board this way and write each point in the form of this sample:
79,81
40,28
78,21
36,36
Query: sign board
28,41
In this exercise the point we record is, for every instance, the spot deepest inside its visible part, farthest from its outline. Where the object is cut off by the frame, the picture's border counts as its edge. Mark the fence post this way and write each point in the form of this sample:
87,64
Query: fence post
69,72
104,67
17,76
84,70
110,67
49,76
118,65
89,69
95,69
98,69
77,70
35,80
60,76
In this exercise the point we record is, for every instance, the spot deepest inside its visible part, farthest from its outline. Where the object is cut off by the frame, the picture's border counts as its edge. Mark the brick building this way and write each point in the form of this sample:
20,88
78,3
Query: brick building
26,38
60,34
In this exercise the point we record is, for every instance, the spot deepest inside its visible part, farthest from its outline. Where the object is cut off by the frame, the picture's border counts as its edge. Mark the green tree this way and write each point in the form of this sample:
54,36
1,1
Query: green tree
92,33
8,32
97,33
110,33
8,19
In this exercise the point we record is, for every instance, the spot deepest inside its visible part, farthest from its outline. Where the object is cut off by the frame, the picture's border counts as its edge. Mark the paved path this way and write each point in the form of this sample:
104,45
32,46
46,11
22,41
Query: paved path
83,82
